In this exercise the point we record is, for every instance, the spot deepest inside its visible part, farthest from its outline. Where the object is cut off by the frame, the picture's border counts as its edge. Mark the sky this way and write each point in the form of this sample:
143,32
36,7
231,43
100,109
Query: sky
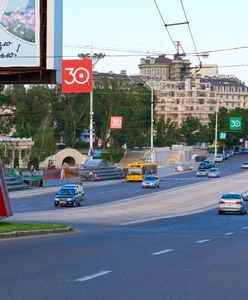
127,30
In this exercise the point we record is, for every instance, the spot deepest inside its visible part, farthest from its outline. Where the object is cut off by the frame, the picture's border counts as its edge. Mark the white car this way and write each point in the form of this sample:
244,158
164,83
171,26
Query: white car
244,165
219,158
150,181
233,202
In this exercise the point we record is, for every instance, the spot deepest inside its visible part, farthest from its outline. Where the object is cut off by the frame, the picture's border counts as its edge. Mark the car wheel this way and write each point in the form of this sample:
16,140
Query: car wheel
221,212
56,204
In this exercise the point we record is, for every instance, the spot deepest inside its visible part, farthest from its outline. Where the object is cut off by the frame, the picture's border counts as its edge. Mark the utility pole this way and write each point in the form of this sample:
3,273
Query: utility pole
216,130
95,58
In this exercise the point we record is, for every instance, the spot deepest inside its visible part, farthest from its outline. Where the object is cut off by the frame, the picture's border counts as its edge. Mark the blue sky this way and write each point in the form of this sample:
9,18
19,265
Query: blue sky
123,25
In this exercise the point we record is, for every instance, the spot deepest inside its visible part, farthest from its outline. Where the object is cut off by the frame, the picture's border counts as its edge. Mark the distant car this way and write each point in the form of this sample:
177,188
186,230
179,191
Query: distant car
233,202
226,155
214,173
244,165
150,182
209,162
202,172
69,195
199,158
202,165
219,158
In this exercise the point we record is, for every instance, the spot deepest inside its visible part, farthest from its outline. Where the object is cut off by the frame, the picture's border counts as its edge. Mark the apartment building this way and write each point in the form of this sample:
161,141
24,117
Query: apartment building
199,97
183,91
163,68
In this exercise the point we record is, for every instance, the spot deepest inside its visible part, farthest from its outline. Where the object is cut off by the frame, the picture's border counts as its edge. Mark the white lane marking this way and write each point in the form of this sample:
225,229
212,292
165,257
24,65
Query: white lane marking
92,276
229,233
246,227
203,241
162,252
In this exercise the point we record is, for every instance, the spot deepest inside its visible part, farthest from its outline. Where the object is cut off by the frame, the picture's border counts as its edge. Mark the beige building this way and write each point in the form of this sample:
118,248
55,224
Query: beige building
17,148
163,68
183,91
199,97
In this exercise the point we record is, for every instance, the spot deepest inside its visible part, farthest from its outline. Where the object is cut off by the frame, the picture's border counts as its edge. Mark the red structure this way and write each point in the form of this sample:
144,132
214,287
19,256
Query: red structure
5,204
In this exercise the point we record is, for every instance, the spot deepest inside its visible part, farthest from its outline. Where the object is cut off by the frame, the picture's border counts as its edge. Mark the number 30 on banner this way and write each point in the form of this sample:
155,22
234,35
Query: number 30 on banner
116,122
77,76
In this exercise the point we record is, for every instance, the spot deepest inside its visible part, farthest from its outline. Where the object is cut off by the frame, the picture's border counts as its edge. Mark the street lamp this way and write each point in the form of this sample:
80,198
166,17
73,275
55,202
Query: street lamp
216,131
95,58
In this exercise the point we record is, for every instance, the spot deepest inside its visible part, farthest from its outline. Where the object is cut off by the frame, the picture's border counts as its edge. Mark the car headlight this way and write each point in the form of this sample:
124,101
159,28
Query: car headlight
56,199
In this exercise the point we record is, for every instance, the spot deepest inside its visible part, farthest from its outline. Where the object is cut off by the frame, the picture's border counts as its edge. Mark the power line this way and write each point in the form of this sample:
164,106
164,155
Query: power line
166,27
190,32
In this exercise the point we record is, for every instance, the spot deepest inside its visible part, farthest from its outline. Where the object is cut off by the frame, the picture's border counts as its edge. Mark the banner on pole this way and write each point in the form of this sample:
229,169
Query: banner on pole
116,122
77,76
5,204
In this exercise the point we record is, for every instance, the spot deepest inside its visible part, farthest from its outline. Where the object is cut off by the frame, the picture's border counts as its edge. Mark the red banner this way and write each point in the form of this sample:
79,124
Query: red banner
77,76
116,122
5,204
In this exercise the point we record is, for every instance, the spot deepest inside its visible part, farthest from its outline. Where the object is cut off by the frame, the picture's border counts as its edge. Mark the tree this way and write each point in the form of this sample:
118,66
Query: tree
191,131
166,133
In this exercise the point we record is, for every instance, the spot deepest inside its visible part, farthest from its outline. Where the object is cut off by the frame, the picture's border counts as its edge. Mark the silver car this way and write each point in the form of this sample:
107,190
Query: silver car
150,182
202,173
233,202
244,165
213,173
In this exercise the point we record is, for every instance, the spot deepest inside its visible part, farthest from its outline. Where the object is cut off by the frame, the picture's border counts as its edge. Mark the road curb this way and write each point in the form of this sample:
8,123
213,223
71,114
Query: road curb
14,234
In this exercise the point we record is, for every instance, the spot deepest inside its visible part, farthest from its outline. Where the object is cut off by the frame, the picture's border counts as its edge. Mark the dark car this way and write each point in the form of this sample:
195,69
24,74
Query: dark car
202,165
69,195
209,162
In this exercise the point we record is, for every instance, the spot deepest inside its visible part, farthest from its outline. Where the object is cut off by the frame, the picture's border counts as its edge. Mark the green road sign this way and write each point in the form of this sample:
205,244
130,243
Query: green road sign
235,123
222,135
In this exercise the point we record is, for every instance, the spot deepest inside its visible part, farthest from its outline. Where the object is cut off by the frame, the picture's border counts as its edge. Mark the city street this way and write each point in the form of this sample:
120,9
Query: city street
122,250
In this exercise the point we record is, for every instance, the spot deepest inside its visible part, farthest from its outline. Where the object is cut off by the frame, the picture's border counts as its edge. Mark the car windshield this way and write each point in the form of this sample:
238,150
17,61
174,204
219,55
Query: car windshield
150,178
231,196
213,170
66,192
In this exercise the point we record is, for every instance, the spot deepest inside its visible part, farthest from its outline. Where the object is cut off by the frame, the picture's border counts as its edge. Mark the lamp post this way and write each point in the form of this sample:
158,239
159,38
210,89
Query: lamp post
95,58
216,131
152,120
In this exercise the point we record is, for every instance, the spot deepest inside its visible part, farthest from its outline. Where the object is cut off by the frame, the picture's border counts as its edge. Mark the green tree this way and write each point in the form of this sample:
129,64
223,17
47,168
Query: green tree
166,133
192,131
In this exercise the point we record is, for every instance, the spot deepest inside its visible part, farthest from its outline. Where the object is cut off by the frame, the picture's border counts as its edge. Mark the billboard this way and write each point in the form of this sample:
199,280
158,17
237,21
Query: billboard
30,41
19,33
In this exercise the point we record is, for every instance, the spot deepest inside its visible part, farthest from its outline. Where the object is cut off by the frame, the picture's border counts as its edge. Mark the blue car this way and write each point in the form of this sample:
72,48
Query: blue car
69,195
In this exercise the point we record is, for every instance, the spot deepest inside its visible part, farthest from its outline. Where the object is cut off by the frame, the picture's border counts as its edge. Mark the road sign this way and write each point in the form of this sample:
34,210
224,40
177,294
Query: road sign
222,135
77,76
235,123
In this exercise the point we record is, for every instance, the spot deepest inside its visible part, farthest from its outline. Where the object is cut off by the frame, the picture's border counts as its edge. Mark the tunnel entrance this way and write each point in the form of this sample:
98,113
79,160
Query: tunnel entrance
69,161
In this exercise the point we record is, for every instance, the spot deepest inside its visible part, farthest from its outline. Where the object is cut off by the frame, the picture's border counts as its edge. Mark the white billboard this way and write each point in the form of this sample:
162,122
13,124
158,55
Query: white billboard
19,33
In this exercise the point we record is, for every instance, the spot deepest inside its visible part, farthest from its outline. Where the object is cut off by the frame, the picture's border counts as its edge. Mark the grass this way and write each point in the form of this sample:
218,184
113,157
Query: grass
6,227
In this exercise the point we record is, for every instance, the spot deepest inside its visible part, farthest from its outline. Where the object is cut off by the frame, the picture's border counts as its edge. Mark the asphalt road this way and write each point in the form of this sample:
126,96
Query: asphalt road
98,195
192,257
201,256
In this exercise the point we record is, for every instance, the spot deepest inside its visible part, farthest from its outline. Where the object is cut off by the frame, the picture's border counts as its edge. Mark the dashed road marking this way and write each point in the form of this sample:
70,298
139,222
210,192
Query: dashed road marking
92,276
245,227
203,241
162,252
229,233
